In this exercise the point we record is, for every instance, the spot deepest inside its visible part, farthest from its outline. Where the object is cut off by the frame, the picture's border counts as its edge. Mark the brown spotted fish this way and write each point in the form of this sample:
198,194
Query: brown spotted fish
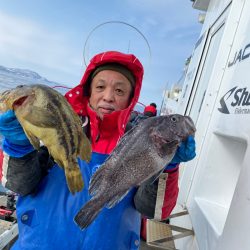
142,152
46,116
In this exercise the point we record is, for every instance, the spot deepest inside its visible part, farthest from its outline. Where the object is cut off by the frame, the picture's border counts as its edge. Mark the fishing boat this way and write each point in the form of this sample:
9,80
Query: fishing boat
213,204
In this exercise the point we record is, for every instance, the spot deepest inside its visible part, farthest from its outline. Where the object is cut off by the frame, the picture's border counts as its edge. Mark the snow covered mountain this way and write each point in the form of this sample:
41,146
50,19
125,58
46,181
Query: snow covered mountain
12,77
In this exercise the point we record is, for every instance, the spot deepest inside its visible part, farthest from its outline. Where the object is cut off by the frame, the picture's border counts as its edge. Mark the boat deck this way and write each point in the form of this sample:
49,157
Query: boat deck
157,231
8,229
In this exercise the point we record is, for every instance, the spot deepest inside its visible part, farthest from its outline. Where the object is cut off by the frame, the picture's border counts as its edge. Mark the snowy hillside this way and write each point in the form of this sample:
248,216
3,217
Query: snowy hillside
12,77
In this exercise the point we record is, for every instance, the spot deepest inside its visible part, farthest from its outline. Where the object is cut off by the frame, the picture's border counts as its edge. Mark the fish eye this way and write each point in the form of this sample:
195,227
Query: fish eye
19,86
173,119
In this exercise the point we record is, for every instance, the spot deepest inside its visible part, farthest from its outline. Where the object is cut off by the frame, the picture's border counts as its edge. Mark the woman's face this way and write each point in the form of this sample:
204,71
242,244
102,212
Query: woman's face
109,91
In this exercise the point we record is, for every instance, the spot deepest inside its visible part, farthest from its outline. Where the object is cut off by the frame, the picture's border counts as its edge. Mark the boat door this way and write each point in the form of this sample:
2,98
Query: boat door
208,64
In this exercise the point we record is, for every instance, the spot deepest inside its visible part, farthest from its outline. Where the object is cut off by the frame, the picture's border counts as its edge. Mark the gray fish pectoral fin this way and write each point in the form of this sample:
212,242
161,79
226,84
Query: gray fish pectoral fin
162,146
167,148
116,199
41,117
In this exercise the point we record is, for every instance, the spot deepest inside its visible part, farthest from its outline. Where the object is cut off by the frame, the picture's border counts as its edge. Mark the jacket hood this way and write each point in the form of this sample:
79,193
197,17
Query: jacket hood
116,121
79,100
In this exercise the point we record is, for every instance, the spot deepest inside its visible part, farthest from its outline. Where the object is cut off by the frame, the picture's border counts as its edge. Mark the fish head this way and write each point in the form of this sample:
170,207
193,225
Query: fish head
176,127
167,132
14,98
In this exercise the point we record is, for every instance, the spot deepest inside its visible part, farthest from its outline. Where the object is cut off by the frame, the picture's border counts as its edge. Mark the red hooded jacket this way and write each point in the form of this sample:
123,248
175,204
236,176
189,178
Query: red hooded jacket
116,121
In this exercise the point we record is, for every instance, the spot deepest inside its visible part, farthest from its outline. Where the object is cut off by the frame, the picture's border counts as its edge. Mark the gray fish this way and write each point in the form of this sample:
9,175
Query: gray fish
46,115
142,152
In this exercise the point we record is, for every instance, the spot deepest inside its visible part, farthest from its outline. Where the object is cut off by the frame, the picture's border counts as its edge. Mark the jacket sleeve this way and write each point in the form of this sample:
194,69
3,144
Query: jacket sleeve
22,175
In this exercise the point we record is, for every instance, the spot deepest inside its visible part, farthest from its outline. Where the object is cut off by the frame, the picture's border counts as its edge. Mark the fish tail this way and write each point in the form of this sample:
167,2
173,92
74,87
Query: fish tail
74,178
87,214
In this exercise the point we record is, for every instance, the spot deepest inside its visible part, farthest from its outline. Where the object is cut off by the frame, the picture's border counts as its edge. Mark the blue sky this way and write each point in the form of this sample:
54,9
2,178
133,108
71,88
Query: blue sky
49,37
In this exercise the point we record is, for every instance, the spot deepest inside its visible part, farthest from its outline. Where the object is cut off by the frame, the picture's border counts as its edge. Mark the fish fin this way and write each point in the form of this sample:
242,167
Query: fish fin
97,178
116,199
167,148
59,162
41,117
73,177
162,146
84,150
126,137
33,139
87,214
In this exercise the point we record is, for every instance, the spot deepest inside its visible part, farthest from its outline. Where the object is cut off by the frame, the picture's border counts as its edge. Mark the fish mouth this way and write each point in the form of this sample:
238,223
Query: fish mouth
190,123
184,136
168,141
19,101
